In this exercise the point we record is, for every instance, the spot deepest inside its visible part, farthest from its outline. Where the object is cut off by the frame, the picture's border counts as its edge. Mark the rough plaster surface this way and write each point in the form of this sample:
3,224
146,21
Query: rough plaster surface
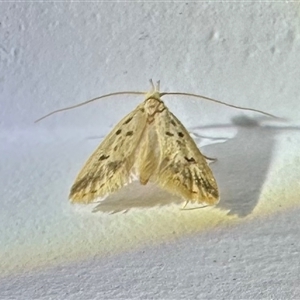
57,54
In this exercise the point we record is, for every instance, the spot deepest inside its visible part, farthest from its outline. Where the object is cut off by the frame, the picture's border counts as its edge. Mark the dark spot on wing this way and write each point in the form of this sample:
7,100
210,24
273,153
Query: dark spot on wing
191,160
129,133
118,131
173,123
103,157
169,133
82,184
142,109
115,148
127,121
180,134
114,166
214,193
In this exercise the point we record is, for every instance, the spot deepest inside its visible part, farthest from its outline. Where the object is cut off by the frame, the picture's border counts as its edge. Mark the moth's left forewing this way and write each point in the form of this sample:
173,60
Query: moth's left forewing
109,167
182,168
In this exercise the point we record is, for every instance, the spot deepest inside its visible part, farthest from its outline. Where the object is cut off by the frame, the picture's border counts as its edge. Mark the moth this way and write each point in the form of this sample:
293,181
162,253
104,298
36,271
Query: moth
151,145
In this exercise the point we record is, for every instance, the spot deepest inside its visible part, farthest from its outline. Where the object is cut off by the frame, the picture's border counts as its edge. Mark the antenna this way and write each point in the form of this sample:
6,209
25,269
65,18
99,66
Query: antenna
161,94
89,101
220,102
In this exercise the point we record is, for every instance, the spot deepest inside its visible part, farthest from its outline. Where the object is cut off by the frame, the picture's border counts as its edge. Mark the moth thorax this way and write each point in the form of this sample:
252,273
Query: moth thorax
153,106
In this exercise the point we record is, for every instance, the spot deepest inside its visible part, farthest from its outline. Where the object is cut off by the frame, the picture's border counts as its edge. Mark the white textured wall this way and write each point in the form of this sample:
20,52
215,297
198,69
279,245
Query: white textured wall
57,54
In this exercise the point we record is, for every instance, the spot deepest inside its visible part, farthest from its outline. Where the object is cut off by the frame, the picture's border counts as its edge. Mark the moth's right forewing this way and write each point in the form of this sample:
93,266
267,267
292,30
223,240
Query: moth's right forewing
109,167
183,169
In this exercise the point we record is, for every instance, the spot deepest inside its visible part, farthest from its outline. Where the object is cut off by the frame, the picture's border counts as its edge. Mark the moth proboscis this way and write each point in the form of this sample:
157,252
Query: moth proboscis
149,144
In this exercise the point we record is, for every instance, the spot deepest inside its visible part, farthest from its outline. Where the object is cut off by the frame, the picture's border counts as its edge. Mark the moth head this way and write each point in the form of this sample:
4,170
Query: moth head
153,102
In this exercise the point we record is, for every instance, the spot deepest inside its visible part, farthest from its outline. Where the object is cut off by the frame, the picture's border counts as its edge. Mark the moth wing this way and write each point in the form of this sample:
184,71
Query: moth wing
183,170
109,167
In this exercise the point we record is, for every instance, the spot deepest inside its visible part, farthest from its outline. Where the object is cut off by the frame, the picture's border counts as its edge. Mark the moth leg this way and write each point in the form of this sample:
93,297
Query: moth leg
185,204
210,158
193,208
